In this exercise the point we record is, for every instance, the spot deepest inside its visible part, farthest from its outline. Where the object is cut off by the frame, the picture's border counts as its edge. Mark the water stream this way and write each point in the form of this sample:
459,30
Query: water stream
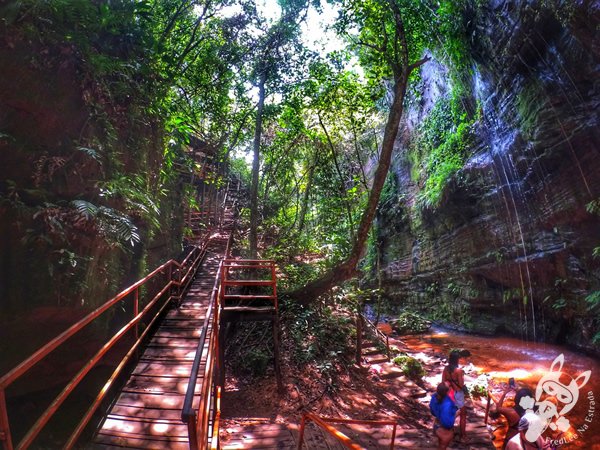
503,357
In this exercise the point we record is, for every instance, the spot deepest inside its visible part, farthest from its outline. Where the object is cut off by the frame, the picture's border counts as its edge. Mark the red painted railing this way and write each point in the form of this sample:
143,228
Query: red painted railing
178,277
198,419
324,424
232,266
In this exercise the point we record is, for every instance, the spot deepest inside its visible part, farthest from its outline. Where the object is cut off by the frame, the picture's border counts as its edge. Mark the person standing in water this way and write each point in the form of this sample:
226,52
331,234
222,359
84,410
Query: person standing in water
454,378
444,411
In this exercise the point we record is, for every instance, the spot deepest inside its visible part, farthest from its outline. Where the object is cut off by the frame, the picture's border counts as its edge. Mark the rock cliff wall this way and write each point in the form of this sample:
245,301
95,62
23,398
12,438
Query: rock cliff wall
508,246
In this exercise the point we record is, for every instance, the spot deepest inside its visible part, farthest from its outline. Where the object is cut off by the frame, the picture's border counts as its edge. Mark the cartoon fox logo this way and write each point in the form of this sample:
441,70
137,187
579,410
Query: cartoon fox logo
560,398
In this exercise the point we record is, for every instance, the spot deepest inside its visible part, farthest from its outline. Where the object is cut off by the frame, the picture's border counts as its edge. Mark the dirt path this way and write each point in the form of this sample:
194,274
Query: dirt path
255,417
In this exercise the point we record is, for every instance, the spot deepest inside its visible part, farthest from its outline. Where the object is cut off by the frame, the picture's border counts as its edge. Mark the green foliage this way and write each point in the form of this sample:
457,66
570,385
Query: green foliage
255,362
411,367
136,198
593,299
114,226
410,323
444,140
478,388
451,30
318,333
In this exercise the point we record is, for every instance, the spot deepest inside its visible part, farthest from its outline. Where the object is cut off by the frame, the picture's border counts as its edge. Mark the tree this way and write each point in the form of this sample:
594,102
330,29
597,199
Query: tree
273,60
390,45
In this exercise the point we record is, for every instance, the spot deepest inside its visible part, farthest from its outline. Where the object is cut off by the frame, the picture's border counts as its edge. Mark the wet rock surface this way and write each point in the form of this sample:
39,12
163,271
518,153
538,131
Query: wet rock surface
509,248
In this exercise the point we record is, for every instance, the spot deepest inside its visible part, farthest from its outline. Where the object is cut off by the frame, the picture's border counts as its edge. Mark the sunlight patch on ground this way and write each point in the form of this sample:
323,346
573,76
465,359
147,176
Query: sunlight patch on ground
160,428
120,425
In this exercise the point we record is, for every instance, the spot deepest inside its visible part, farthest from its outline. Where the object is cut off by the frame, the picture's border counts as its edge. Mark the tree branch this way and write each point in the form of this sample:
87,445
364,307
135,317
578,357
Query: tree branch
418,63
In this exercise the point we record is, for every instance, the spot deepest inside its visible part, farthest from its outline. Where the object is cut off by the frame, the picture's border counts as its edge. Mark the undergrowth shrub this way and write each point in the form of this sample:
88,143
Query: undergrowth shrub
410,323
319,333
411,367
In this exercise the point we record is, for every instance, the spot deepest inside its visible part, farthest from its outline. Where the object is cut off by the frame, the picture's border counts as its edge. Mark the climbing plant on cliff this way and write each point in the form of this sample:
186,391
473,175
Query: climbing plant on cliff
441,147
593,299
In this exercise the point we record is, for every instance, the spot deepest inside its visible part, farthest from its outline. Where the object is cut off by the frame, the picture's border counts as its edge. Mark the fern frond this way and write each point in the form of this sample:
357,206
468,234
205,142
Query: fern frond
91,153
87,209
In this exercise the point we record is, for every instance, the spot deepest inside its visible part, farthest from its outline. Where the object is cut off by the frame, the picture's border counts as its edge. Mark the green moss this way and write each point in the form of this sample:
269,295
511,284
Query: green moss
530,102
411,367
441,146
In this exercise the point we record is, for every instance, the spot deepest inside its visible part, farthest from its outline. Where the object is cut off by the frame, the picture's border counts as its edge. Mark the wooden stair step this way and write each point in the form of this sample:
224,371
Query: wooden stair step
248,297
371,351
248,282
376,358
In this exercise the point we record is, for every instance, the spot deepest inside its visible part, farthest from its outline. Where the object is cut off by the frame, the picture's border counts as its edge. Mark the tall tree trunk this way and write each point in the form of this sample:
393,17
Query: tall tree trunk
306,196
253,237
347,268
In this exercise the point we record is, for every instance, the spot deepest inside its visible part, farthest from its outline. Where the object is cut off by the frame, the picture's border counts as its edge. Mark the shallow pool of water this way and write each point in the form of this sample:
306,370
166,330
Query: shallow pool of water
503,357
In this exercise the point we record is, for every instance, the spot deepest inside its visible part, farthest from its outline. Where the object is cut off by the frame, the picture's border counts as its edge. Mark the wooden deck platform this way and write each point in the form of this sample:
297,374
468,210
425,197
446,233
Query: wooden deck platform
147,412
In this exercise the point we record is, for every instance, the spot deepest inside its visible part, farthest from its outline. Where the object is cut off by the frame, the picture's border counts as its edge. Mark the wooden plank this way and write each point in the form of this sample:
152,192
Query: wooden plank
187,341
248,283
248,297
155,384
147,412
249,309
161,368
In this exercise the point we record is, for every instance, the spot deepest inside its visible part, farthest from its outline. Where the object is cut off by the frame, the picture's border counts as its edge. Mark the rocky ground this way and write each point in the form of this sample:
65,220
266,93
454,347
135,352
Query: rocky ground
376,391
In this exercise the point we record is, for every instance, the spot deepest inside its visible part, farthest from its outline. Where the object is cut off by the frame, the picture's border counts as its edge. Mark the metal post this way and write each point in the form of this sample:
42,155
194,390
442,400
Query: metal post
192,436
301,432
136,310
5,437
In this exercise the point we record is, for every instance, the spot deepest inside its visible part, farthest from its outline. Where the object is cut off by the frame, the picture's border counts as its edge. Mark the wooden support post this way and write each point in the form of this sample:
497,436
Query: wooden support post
276,358
5,436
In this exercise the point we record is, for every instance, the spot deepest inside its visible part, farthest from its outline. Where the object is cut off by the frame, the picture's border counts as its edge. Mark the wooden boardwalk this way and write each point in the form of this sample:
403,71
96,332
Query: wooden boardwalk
147,412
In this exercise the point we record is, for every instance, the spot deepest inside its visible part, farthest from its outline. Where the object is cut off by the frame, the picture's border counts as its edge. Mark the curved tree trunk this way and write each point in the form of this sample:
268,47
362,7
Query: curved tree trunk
347,268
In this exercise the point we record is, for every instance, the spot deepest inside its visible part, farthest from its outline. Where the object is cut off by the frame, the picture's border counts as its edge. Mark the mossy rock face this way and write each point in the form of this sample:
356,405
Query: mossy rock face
490,253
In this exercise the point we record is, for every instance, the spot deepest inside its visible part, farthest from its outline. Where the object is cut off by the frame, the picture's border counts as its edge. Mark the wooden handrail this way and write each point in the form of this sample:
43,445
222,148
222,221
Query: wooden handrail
249,264
174,271
324,422
189,415
378,333
197,420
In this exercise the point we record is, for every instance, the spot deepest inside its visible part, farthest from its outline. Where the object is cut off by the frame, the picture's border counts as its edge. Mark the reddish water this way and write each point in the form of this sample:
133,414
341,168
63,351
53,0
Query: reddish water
527,363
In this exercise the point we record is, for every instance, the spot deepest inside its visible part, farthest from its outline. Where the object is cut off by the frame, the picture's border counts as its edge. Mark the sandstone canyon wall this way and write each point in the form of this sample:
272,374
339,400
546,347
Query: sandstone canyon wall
508,246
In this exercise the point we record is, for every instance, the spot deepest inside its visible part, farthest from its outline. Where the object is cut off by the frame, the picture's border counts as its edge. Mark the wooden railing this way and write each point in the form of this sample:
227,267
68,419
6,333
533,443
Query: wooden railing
324,424
198,419
178,277
381,336
251,266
